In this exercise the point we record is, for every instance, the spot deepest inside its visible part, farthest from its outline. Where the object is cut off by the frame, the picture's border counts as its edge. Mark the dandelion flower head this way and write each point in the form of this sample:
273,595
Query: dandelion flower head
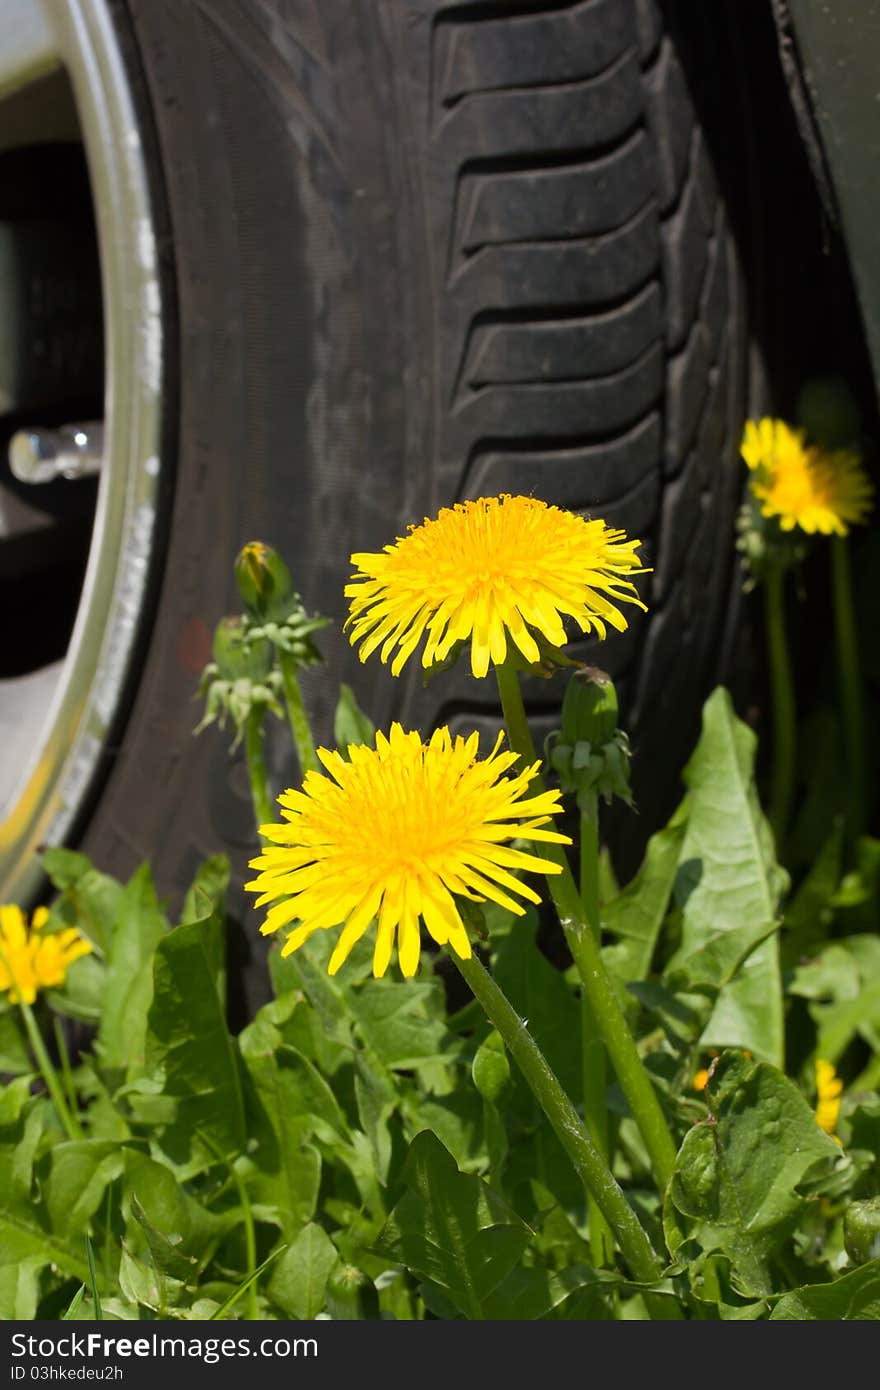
396,833
491,571
803,485
31,960
829,1089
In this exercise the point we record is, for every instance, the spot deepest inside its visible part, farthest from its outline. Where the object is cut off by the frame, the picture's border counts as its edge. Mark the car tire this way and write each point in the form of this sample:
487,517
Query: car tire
422,252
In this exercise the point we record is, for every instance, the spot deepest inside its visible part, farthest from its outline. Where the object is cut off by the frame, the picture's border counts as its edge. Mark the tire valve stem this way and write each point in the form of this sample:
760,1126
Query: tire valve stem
73,451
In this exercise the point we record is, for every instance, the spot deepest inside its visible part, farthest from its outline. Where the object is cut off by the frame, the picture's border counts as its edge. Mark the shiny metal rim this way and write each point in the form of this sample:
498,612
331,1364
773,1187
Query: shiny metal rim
81,710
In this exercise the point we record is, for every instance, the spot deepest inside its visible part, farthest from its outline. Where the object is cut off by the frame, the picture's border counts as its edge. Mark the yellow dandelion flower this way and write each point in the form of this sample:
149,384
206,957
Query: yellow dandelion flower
489,570
395,833
829,1089
805,486
31,961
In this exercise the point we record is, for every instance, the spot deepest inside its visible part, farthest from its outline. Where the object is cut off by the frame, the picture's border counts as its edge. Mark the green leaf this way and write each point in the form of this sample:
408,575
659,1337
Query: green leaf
19,1288
734,1189
140,1282
77,1177
82,994
451,1229
166,1256
89,900
350,724
164,1204
854,1297
141,925
377,1100
729,882
808,915
490,1068
300,1276
26,1237
532,1293
287,1166
14,1055
636,915
456,1119
245,1284
843,980
540,995
403,1022
205,903
188,1044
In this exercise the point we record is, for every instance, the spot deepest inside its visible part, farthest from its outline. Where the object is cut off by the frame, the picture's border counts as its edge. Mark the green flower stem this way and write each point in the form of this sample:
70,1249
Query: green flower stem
247,1216
296,713
593,1061
850,686
547,1090
48,1072
256,766
610,1022
250,1243
67,1075
782,689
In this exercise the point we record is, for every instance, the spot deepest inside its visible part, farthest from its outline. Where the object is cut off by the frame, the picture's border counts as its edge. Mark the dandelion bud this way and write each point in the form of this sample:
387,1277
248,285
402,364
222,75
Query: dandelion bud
589,709
351,1294
590,753
263,580
861,1230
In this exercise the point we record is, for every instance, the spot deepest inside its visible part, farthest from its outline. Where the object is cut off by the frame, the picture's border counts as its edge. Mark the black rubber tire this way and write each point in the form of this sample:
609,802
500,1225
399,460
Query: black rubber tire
426,252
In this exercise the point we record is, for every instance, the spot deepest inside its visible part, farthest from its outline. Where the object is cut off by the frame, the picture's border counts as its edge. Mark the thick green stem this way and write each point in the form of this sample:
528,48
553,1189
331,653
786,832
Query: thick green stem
296,713
610,1022
256,766
548,1092
592,1051
850,687
48,1072
782,691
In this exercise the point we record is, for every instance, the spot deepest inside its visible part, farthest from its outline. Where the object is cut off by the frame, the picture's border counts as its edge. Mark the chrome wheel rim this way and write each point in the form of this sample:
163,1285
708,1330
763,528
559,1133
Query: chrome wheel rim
76,706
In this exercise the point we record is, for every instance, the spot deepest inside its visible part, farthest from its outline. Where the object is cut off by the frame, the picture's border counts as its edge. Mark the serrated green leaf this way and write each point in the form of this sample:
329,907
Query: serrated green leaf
729,881
166,1257
808,915
77,1175
82,995
451,1229
636,915
852,1297
186,1224
403,1022
540,994
529,1294
377,1099
734,1189
26,1236
283,1093
89,900
188,1043
141,925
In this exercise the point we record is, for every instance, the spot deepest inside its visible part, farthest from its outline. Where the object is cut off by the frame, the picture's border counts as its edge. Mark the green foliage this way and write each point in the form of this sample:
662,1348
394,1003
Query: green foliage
359,1151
